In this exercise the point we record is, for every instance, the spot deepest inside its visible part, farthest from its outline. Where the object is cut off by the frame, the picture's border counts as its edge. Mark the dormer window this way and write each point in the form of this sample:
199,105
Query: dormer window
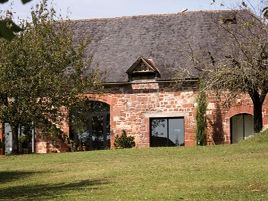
228,19
143,69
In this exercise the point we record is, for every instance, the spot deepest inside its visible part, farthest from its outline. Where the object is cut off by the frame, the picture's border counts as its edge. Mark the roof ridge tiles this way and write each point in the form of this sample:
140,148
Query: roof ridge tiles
157,15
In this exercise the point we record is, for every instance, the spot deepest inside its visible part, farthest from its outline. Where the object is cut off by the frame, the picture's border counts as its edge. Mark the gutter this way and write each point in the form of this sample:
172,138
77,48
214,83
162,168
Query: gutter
149,82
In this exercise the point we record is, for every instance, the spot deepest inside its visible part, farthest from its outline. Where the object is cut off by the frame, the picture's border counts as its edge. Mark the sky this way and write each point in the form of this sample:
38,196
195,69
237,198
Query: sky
86,9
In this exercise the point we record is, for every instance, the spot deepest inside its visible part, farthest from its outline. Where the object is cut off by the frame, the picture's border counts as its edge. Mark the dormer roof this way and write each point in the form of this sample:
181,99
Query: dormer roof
142,69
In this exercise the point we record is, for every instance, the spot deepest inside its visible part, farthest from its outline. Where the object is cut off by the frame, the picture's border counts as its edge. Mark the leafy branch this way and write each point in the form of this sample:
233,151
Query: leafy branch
8,28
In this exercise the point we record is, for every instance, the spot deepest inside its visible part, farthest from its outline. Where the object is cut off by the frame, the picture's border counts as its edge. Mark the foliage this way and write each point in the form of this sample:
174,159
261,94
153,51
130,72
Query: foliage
41,72
242,65
2,144
23,1
79,113
24,140
8,29
124,141
265,12
201,122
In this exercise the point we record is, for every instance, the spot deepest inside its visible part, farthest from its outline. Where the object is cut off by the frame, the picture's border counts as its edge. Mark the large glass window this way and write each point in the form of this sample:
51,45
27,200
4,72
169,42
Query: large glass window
167,132
89,125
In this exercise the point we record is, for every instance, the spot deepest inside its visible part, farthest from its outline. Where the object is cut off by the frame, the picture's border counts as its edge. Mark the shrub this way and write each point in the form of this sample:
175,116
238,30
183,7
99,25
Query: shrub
201,122
124,141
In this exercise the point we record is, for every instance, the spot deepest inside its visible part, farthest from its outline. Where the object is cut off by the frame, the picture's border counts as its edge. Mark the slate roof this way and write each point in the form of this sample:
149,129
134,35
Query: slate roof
116,43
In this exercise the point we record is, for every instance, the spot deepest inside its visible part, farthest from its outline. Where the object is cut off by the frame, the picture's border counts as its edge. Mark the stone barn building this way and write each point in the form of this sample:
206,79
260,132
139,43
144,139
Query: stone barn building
139,57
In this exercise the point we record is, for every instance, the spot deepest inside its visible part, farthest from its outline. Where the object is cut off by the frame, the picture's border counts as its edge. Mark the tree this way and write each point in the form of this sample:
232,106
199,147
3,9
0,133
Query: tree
23,1
247,4
265,12
244,67
8,28
201,121
41,71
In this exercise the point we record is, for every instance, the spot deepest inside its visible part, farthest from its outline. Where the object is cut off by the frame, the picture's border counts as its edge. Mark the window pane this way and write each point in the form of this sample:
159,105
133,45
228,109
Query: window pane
8,139
90,127
159,132
237,128
176,132
249,122
167,132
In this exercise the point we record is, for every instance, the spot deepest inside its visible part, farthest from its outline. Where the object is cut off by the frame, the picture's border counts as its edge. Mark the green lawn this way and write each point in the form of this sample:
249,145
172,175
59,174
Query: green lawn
230,172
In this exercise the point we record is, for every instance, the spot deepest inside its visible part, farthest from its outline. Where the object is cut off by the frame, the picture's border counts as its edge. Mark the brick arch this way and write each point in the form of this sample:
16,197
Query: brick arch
235,110
242,109
100,98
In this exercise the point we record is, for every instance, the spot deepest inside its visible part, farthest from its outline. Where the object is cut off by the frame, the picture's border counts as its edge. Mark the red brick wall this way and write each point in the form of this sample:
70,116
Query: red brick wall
220,114
50,146
132,106
1,132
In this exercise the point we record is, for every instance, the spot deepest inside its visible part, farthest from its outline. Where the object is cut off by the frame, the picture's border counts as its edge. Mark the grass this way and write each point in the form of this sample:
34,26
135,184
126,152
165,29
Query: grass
226,172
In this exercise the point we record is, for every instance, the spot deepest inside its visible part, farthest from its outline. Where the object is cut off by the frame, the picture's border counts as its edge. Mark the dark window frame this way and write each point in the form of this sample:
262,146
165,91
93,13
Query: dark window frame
166,118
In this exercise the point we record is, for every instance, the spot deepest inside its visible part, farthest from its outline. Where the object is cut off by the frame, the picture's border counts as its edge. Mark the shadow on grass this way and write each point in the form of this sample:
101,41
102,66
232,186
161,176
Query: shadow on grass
8,176
48,191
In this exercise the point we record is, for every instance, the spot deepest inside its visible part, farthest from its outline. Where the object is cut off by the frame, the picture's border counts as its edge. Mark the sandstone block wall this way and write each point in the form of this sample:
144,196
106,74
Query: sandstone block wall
132,105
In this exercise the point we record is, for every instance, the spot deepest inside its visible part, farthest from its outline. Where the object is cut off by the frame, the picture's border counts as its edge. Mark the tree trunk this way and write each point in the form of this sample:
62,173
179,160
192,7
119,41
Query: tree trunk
15,141
257,108
257,100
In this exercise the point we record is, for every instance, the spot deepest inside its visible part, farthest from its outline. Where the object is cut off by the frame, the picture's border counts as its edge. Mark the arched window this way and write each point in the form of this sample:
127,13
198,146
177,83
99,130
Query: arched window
90,125
241,127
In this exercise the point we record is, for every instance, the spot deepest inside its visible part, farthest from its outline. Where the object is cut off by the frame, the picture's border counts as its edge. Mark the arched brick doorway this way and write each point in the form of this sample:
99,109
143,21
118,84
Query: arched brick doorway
241,127
90,125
